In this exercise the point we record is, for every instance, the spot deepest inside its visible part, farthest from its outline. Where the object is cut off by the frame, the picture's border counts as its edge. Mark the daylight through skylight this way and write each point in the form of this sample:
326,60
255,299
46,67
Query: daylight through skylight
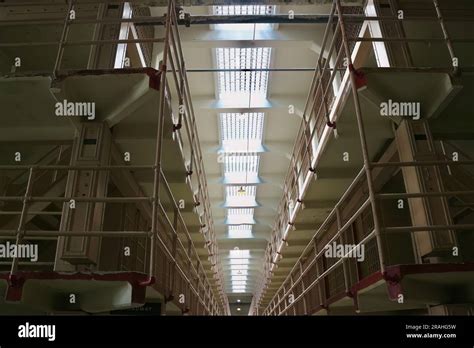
240,231
241,132
242,82
243,9
248,86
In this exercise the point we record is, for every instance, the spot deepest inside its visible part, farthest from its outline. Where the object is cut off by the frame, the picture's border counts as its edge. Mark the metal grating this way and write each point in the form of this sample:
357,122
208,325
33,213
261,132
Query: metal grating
241,163
241,132
243,10
240,83
241,231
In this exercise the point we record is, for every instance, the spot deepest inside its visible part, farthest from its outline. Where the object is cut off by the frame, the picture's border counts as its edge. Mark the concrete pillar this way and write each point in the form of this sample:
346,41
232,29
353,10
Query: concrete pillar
415,143
92,146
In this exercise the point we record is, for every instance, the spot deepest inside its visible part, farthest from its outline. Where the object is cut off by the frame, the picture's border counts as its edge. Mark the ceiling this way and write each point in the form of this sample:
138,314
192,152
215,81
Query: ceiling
289,46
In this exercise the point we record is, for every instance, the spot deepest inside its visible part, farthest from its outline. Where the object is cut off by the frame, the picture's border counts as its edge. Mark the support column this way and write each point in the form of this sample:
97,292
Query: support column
104,56
92,146
415,144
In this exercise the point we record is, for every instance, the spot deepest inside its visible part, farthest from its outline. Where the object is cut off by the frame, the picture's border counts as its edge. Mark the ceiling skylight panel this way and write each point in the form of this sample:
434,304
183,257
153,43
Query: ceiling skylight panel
239,191
241,163
239,283
243,10
240,216
239,261
239,254
241,132
240,231
240,211
239,267
239,272
239,278
241,196
252,84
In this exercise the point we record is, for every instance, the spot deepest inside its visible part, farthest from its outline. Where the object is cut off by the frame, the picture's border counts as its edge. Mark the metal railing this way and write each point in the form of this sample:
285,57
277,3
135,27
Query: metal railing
336,76
184,131
308,285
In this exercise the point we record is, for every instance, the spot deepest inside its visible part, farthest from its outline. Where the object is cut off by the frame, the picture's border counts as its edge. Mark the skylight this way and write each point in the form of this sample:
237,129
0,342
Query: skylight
238,289
238,272
243,9
239,254
242,82
241,132
240,196
241,231
243,85
239,261
241,168
240,216
239,278
239,283
239,267
239,286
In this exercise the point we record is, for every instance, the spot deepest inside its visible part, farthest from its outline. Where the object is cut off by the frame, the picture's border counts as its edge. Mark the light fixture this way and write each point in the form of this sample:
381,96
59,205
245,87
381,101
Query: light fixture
238,300
238,309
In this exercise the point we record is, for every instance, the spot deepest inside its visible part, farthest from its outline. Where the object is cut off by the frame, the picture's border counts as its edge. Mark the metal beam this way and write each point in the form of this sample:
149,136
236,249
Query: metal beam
243,19
207,70
164,3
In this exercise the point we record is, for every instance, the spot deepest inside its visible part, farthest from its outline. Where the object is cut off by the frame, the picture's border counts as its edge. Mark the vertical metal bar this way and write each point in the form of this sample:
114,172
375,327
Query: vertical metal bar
443,149
159,141
58,160
363,139
401,33
21,223
449,43
173,250
344,262
91,63
63,39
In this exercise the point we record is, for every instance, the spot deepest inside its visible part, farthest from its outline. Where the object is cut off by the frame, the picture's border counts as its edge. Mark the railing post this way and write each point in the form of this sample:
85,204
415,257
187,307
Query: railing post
363,140
344,263
21,224
159,141
63,39
449,43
